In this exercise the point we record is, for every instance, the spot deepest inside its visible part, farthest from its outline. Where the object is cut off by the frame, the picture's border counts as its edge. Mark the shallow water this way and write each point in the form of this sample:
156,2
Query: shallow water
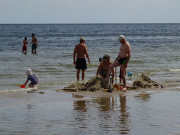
142,112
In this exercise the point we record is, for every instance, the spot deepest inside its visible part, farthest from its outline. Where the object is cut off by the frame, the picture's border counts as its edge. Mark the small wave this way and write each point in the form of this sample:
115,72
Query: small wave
54,83
18,90
173,70
136,61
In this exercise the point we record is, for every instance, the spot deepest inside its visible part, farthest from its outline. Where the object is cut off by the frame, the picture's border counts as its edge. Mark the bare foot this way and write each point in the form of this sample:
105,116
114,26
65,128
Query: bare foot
124,89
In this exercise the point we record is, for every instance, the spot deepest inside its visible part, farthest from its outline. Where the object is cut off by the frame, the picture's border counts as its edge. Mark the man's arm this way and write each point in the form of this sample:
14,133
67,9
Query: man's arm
99,68
87,55
129,54
74,55
36,41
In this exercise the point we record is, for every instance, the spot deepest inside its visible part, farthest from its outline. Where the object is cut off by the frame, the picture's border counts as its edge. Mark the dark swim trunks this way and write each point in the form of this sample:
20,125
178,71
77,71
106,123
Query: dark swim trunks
81,63
122,61
34,46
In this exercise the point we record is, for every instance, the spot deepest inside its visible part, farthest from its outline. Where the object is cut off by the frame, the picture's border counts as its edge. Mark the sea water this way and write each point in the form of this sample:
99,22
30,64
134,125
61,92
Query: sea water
154,50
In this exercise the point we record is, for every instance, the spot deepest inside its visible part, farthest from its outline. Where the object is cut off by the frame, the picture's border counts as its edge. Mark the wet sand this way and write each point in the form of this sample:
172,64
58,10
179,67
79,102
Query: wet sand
138,112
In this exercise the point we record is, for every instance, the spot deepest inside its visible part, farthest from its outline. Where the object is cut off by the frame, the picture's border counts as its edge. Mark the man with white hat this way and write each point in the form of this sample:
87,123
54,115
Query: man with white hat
122,59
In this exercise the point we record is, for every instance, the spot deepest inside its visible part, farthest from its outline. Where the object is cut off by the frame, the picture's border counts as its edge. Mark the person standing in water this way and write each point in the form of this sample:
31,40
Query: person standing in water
24,48
34,43
80,62
121,60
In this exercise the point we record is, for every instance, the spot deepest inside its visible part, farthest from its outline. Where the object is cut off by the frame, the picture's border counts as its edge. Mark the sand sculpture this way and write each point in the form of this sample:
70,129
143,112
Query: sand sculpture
145,82
97,83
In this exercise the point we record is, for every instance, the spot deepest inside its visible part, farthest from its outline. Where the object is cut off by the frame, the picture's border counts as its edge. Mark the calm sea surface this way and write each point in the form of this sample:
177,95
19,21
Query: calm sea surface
155,50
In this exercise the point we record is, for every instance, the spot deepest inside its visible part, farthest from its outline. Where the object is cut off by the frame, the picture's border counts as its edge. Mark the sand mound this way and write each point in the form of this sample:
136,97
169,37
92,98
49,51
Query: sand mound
97,83
145,82
94,84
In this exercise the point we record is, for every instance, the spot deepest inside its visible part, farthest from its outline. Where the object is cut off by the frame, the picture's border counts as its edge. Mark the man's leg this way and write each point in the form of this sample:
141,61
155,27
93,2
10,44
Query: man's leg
115,64
123,71
83,74
77,74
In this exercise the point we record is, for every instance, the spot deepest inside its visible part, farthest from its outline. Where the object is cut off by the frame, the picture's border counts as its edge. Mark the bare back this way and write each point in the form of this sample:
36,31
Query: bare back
81,50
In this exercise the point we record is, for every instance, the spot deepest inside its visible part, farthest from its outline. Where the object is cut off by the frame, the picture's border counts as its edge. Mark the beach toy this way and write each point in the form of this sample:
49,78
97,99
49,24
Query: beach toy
22,86
129,83
106,90
115,86
129,74
120,88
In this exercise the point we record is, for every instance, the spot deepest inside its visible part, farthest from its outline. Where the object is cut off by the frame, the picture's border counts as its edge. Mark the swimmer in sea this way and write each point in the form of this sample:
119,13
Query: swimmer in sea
34,43
24,48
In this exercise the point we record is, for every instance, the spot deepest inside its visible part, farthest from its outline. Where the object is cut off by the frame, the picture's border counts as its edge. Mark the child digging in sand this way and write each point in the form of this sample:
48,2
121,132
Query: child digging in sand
32,78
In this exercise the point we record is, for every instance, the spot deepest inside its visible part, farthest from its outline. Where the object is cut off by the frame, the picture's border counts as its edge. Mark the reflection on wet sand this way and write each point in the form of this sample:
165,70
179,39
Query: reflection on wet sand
124,120
143,96
80,105
111,113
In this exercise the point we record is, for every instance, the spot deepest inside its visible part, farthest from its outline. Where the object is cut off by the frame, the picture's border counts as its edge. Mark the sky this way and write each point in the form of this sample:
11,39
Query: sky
89,11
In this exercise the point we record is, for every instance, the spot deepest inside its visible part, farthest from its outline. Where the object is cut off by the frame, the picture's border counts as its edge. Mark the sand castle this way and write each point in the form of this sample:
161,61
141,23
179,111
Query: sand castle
145,82
97,83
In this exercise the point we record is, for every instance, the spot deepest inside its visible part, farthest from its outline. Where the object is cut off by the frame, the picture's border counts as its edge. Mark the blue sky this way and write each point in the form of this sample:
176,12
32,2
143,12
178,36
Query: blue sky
89,11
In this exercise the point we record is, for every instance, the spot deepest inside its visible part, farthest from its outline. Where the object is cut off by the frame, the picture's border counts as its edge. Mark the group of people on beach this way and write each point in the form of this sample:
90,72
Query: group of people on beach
106,67
34,43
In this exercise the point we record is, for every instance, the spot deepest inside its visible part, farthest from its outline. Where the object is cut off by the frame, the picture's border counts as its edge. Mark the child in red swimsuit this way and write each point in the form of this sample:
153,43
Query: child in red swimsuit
24,48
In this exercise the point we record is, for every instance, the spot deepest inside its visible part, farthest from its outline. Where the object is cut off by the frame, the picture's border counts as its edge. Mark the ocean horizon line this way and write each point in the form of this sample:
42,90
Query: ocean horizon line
77,23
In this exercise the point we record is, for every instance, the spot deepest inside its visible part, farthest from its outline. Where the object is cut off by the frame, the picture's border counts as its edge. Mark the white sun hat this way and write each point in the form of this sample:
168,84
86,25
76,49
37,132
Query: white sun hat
121,37
29,72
